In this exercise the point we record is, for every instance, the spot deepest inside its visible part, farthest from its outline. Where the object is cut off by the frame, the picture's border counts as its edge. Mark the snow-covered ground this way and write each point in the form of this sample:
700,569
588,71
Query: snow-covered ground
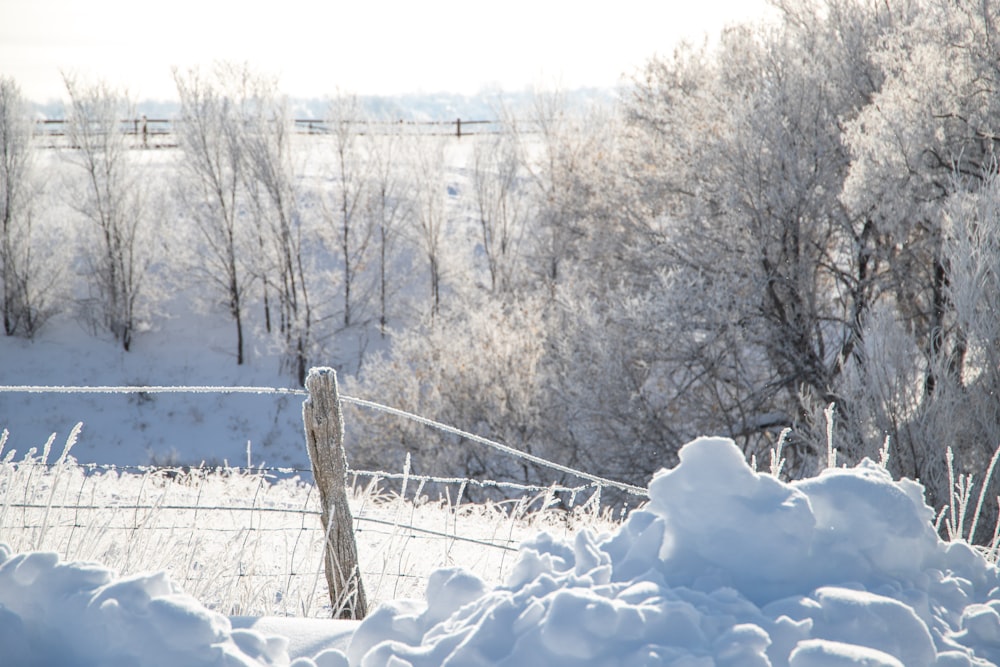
723,566
188,348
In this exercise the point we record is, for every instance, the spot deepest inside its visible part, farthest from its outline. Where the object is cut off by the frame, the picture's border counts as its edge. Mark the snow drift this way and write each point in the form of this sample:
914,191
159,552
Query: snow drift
723,566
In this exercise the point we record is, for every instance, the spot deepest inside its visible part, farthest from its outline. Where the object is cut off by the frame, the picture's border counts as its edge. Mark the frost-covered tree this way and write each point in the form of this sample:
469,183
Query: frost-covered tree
270,178
501,202
430,212
118,248
478,368
351,228
388,206
210,134
887,394
923,170
739,152
28,270
568,158
936,115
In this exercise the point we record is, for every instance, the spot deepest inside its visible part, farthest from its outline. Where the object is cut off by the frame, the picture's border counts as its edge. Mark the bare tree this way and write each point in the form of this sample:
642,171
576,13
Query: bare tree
349,219
571,184
112,199
501,205
430,208
269,170
389,205
209,130
29,280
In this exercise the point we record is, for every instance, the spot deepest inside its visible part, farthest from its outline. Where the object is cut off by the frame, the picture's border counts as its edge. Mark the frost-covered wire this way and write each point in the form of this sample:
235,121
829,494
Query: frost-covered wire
441,534
35,389
635,490
242,530
286,470
39,389
482,483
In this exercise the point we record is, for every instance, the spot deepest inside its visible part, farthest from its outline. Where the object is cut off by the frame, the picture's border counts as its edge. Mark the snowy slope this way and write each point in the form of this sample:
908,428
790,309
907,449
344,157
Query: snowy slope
723,566
189,349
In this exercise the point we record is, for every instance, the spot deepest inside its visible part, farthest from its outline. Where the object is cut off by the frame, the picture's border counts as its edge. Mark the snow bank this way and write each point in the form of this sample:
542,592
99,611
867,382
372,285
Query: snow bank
80,615
723,567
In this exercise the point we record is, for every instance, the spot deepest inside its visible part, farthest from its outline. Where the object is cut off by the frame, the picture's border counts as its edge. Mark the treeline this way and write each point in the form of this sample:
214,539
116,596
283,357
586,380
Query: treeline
804,213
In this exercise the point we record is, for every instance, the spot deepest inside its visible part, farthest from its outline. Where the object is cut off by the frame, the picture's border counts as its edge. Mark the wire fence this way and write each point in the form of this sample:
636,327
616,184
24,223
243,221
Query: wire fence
250,540
160,389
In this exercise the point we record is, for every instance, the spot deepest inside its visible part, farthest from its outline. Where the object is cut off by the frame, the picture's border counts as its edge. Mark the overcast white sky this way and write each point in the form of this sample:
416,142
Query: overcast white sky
361,46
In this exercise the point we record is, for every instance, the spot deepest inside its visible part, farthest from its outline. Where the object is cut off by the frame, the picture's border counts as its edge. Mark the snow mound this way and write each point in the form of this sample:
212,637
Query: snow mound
723,566
80,615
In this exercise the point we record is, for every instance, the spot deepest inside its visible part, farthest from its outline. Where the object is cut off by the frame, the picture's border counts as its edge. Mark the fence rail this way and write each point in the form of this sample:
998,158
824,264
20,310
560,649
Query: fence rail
160,132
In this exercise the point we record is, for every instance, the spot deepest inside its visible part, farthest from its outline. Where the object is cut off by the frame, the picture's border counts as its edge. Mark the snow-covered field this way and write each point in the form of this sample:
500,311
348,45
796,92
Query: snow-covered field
723,566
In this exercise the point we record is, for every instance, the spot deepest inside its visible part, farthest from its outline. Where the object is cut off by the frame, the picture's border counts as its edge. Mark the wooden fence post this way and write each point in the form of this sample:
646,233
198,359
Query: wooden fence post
324,425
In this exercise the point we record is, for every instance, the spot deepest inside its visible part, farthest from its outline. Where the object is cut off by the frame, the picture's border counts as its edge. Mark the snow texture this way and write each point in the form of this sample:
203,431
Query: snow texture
722,567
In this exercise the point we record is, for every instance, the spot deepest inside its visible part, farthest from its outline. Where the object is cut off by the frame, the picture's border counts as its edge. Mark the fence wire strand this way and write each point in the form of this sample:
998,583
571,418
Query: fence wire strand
61,504
159,389
188,527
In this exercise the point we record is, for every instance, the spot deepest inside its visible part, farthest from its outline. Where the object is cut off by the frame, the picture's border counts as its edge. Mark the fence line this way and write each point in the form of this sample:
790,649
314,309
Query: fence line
160,389
503,544
269,544
314,126
65,508
149,130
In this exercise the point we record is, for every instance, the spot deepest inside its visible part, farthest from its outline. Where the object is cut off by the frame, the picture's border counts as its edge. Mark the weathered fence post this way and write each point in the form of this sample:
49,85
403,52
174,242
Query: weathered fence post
324,425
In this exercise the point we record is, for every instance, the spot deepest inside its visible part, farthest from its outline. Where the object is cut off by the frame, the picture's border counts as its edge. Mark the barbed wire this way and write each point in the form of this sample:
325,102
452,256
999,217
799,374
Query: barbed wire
634,490
482,483
160,389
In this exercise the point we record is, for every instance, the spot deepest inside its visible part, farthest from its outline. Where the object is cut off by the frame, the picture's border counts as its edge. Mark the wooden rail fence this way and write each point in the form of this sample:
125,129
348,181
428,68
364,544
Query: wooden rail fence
159,132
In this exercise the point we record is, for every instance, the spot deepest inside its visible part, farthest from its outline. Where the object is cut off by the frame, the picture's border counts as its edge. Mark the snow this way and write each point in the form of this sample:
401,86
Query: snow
187,348
723,566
